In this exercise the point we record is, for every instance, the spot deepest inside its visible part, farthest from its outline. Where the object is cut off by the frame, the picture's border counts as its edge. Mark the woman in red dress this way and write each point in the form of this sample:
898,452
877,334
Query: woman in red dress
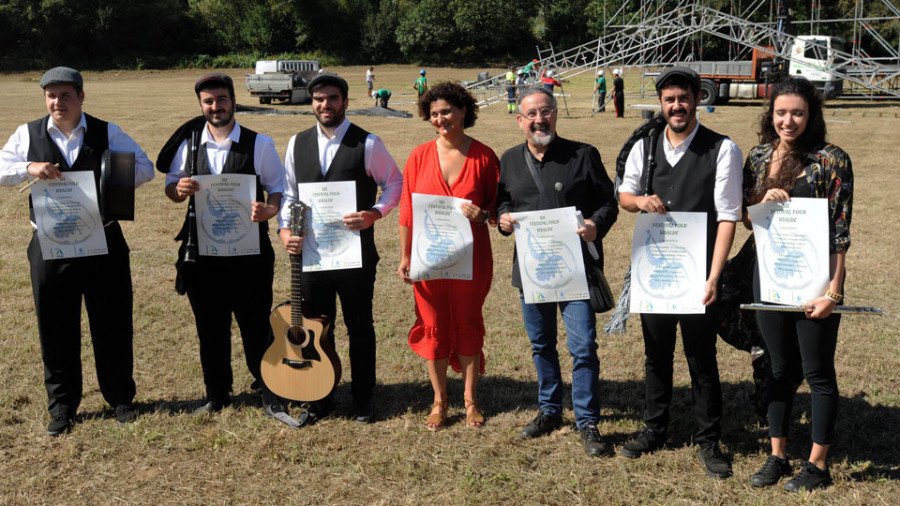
449,326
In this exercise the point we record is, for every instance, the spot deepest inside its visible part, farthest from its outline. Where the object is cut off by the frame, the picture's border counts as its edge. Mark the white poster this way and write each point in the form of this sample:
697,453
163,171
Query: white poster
68,217
791,249
441,239
668,263
327,243
223,215
549,254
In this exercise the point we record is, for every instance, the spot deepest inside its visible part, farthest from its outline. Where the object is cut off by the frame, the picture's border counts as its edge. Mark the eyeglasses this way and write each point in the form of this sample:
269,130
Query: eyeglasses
543,112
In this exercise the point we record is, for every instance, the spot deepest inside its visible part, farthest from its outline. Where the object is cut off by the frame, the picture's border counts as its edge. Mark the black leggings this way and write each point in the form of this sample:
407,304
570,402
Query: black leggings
801,348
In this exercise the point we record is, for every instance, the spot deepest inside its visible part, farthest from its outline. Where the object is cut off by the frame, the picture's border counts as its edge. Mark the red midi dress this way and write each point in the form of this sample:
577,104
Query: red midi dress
449,320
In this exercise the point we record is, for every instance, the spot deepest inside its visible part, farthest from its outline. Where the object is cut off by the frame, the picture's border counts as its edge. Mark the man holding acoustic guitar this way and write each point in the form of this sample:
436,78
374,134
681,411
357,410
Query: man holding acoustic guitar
337,150
218,286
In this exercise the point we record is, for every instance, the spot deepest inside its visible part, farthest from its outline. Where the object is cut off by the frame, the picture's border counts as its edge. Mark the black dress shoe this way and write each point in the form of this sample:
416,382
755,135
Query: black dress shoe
542,424
125,413
590,438
211,406
60,425
717,465
363,412
810,477
771,472
647,441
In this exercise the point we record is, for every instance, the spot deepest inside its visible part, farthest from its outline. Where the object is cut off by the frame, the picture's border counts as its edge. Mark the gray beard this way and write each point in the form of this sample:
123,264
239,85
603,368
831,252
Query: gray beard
542,138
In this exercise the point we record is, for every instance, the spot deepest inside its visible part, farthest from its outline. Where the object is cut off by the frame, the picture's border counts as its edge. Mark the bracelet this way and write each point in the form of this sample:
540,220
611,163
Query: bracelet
833,296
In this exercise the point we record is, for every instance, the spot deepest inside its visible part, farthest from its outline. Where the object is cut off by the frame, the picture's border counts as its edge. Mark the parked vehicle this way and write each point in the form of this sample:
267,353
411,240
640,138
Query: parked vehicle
811,57
282,80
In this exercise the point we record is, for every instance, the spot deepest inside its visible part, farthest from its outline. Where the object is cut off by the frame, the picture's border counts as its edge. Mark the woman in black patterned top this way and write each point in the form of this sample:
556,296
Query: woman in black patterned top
794,160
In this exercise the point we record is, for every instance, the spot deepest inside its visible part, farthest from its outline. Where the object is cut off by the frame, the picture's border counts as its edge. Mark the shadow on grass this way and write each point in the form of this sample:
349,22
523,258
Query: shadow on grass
867,435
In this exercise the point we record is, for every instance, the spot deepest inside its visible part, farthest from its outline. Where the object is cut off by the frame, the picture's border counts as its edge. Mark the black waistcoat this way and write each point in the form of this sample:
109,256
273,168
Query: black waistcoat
349,164
690,184
238,161
41,148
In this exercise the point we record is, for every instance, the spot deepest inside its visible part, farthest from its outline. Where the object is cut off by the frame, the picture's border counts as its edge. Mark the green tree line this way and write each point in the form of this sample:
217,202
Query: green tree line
108,34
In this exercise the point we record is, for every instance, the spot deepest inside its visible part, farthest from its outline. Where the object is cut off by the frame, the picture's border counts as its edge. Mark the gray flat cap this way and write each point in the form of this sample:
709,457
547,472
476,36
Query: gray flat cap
680,73
62,75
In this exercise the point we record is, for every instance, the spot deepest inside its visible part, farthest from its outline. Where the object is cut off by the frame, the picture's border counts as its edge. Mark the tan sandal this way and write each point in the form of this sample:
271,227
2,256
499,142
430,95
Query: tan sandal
436,420
473,418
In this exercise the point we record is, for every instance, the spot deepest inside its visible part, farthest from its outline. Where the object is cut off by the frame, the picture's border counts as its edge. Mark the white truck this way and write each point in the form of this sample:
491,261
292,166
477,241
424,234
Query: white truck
811,57
282,80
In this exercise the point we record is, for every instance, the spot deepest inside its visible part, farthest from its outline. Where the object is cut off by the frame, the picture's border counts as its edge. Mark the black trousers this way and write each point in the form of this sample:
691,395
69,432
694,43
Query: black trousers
104,281
224,286
601,101
619,102
801,348
355,288
699,341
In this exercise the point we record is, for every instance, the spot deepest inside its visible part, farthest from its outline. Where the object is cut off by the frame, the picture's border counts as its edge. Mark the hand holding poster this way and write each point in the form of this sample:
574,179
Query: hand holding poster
68,217
223,215
442,242
327,243
791,249
668,263
549,254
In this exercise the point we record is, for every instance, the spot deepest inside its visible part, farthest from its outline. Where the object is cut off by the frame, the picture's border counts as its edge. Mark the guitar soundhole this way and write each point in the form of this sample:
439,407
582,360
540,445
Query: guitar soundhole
297,336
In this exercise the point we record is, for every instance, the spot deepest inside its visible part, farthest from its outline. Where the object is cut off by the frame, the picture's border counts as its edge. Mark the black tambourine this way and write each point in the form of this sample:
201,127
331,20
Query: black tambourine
116,189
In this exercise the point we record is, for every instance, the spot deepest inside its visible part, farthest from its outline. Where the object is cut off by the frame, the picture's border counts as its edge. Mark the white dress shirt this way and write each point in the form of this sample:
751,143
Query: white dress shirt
380,166
266,161
729,162
14,156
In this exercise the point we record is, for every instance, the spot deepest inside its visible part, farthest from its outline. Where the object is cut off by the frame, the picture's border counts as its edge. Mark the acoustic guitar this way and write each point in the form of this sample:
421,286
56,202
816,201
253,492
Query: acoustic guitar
300,364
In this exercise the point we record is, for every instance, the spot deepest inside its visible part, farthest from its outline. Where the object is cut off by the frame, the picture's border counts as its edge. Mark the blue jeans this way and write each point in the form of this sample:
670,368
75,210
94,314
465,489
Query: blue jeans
581,339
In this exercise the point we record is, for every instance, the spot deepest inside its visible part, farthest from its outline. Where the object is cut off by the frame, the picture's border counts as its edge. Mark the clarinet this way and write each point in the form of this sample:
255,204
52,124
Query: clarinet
190,242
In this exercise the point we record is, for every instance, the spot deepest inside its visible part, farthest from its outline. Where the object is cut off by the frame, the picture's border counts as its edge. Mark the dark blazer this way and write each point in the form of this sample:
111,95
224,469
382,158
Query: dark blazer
573,175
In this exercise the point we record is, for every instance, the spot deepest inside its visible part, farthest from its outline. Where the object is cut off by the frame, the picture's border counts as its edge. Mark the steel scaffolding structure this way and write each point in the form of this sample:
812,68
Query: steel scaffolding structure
663,32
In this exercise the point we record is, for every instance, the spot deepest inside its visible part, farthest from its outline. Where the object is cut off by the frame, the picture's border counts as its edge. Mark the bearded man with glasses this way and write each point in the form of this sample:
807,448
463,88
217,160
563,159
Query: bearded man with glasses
571,174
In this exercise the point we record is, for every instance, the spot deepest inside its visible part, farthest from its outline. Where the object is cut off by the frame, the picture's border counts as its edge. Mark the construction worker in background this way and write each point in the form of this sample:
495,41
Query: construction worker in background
512,93
619,93
420,84
547,80
381,97
600,91
529,70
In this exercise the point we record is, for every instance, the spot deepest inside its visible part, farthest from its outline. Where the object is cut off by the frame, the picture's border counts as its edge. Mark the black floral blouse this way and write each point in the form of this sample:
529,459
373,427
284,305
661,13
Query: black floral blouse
829,173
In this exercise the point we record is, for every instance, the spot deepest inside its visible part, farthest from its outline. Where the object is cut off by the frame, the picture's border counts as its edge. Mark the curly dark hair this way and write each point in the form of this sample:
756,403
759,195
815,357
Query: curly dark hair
455,95
812,138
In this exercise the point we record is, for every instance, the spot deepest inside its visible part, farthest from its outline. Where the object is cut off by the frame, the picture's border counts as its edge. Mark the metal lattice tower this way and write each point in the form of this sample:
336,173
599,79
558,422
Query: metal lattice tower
661,32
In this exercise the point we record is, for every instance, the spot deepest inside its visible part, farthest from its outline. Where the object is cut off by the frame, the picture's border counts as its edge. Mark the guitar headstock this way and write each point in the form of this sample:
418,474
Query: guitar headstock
298,218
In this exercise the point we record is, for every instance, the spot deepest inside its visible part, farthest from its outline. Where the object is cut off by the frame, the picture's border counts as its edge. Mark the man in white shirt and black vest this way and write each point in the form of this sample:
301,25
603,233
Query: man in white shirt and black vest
697,170
46,148
220,286
337,150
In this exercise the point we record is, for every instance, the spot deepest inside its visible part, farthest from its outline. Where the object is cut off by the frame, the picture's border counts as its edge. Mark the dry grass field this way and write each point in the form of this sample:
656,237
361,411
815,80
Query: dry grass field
240,456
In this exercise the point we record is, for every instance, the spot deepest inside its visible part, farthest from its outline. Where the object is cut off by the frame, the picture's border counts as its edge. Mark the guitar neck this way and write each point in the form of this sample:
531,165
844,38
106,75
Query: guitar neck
298,304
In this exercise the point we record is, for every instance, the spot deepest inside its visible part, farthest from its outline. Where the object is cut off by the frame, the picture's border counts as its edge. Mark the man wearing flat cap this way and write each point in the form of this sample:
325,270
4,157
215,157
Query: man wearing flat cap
65,140
337,150
697,170
220,286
